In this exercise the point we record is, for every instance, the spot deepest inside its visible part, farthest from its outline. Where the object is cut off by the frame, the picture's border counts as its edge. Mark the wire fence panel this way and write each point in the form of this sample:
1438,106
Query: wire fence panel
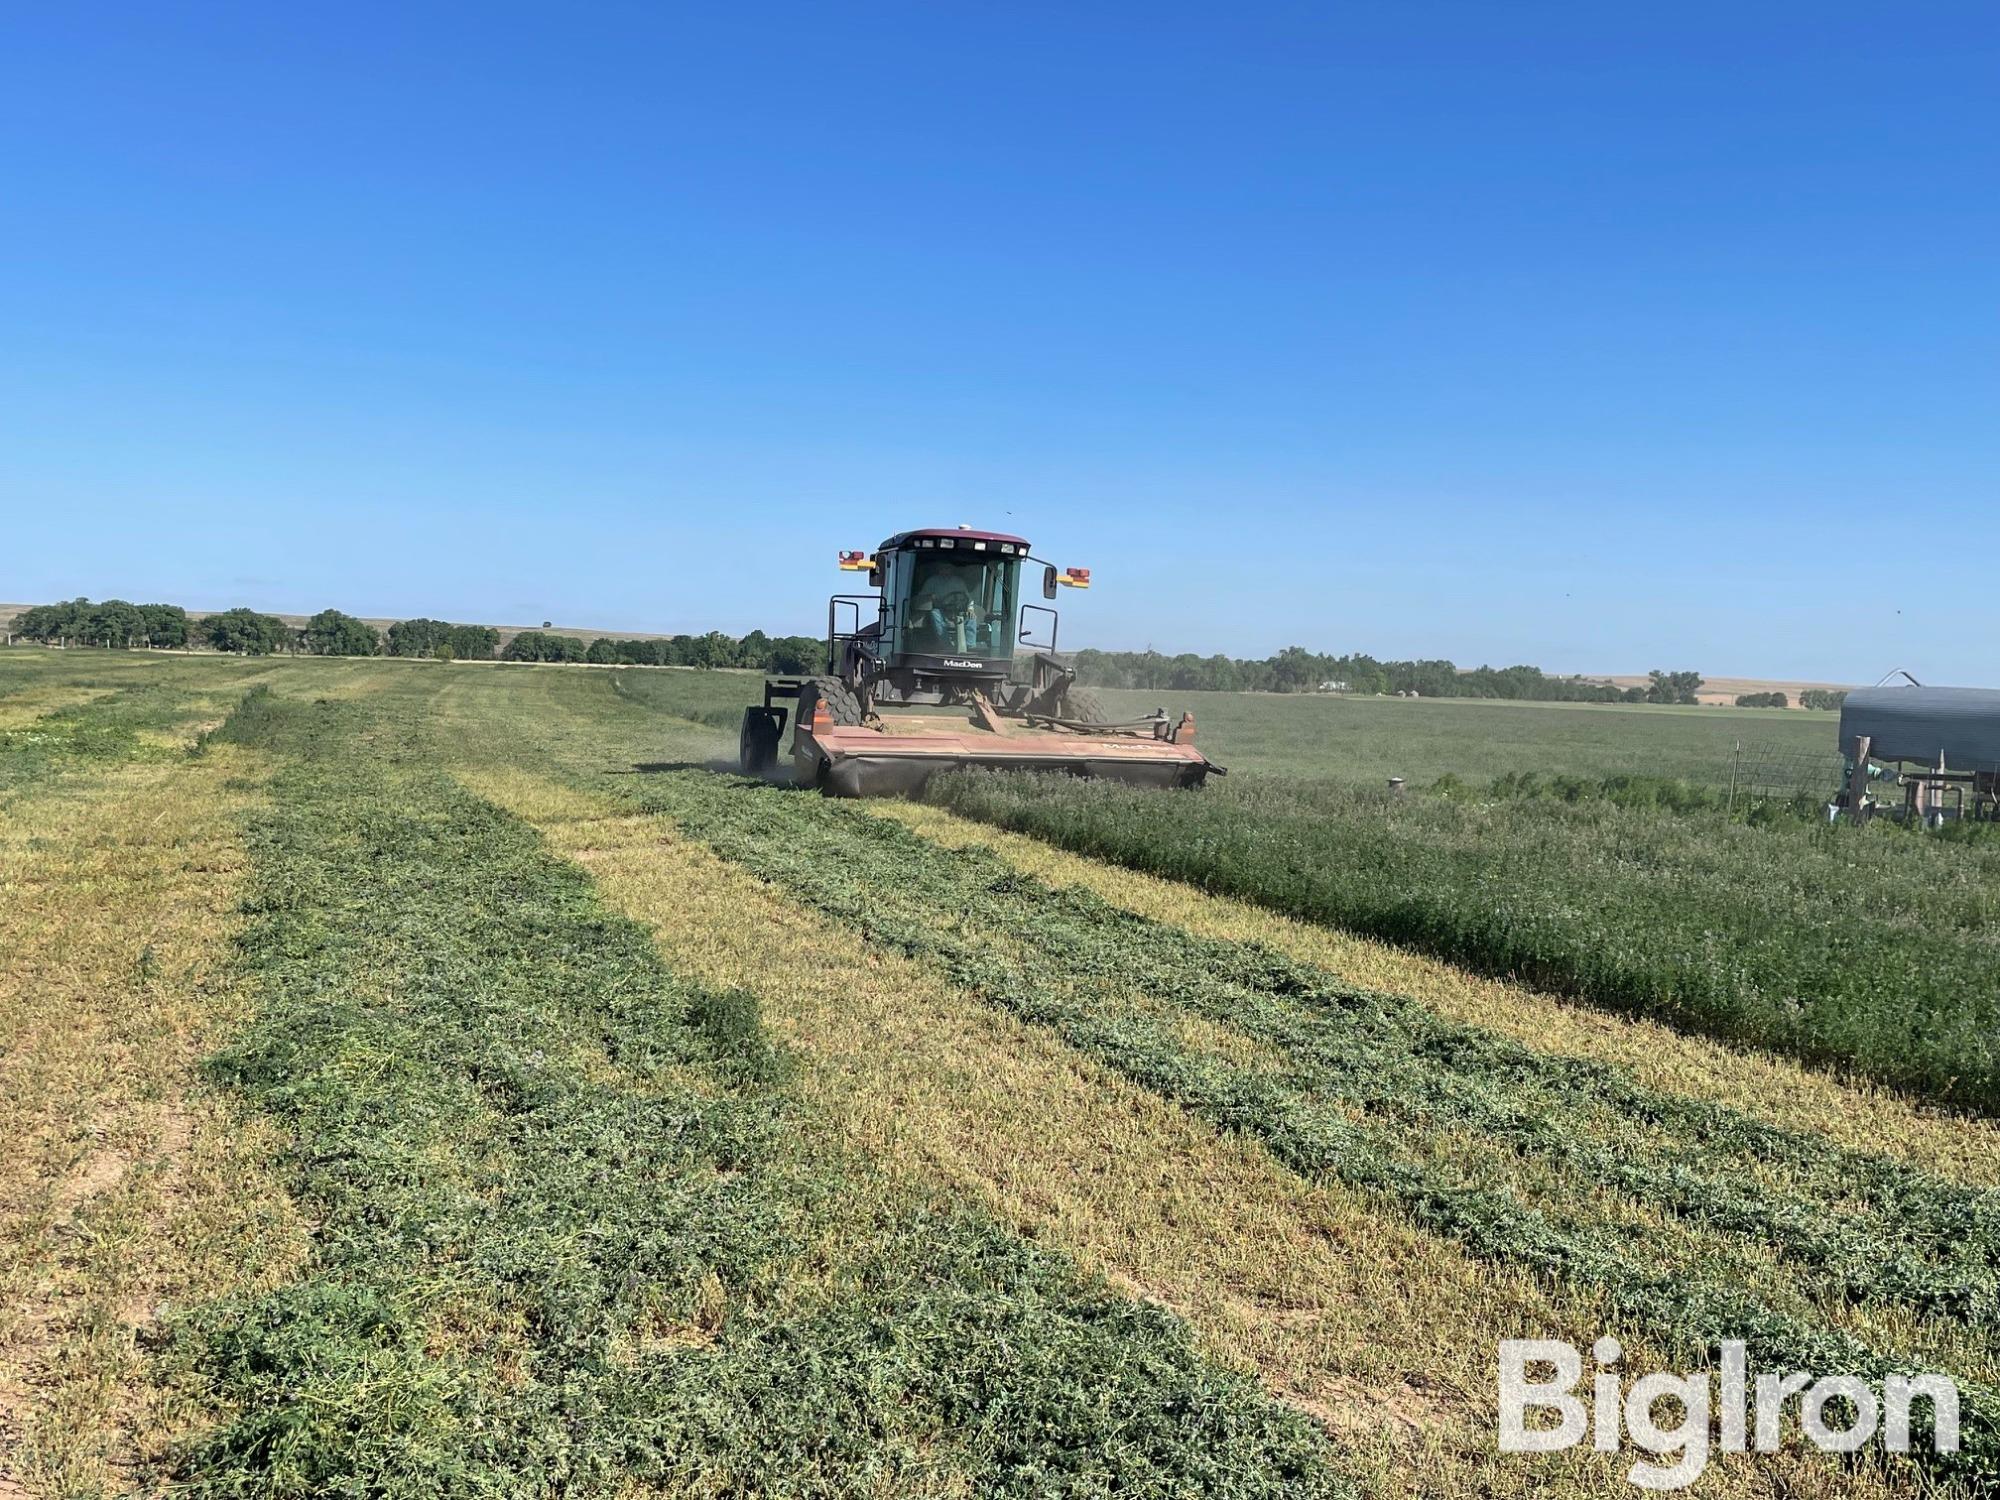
1783,773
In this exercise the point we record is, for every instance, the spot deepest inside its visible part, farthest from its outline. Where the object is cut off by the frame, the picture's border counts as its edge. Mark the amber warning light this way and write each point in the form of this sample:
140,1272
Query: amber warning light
1076,578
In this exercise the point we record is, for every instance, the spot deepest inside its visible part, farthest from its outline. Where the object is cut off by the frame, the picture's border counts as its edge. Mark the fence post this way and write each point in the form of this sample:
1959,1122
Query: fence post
1857,779
1735,757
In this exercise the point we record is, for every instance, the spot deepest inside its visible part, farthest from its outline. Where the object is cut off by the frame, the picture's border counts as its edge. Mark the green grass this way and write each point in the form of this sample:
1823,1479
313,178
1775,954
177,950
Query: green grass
571,1228
1869,948
715,698
1371,739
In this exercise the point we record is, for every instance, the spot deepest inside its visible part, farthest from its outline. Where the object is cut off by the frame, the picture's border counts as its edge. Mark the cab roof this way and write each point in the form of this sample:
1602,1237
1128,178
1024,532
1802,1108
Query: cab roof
951,533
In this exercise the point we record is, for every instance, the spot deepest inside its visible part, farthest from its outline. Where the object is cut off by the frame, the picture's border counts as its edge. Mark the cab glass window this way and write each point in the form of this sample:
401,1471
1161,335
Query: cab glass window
957,603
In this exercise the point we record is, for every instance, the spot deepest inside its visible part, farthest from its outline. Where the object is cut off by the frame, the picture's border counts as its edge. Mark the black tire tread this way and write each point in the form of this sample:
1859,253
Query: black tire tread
1082,706
841,704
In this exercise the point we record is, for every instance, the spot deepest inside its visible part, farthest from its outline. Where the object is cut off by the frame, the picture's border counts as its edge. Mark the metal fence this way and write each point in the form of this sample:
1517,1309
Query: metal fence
1782,773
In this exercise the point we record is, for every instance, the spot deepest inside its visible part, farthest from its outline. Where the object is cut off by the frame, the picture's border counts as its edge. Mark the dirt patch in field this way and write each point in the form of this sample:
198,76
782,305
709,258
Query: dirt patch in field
99,1174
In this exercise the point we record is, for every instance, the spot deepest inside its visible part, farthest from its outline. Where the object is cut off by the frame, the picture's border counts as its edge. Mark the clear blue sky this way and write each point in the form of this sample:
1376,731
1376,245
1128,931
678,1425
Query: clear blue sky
1596,336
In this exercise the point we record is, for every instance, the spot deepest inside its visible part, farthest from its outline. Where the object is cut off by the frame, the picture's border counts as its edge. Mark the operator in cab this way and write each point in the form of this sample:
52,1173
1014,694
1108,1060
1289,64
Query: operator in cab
945,616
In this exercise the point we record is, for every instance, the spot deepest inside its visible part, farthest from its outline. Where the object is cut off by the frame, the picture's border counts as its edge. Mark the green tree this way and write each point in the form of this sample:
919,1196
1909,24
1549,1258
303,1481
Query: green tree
602,653
639,653
53,624
418,637
331,633
473,642
115,623
422,637
165,625
795,655
1673,687
713,649
246,632
543,645
1293,670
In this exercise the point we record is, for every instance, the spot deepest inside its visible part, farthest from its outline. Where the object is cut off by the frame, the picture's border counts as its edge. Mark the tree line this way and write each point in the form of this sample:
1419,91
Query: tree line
117,625
785,655
114,623
1297,670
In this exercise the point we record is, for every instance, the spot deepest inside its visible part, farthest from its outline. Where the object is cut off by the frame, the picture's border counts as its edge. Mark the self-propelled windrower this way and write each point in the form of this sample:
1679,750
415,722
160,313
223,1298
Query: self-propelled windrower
950,631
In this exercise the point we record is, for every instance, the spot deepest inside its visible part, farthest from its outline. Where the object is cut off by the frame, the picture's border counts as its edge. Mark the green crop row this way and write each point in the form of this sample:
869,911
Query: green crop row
1866,1219
1880,1231
1889,1232
563,1205
1367,1086
1857,947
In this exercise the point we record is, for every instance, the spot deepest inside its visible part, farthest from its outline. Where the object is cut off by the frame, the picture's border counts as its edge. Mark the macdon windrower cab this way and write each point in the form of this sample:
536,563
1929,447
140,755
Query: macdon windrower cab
949,630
